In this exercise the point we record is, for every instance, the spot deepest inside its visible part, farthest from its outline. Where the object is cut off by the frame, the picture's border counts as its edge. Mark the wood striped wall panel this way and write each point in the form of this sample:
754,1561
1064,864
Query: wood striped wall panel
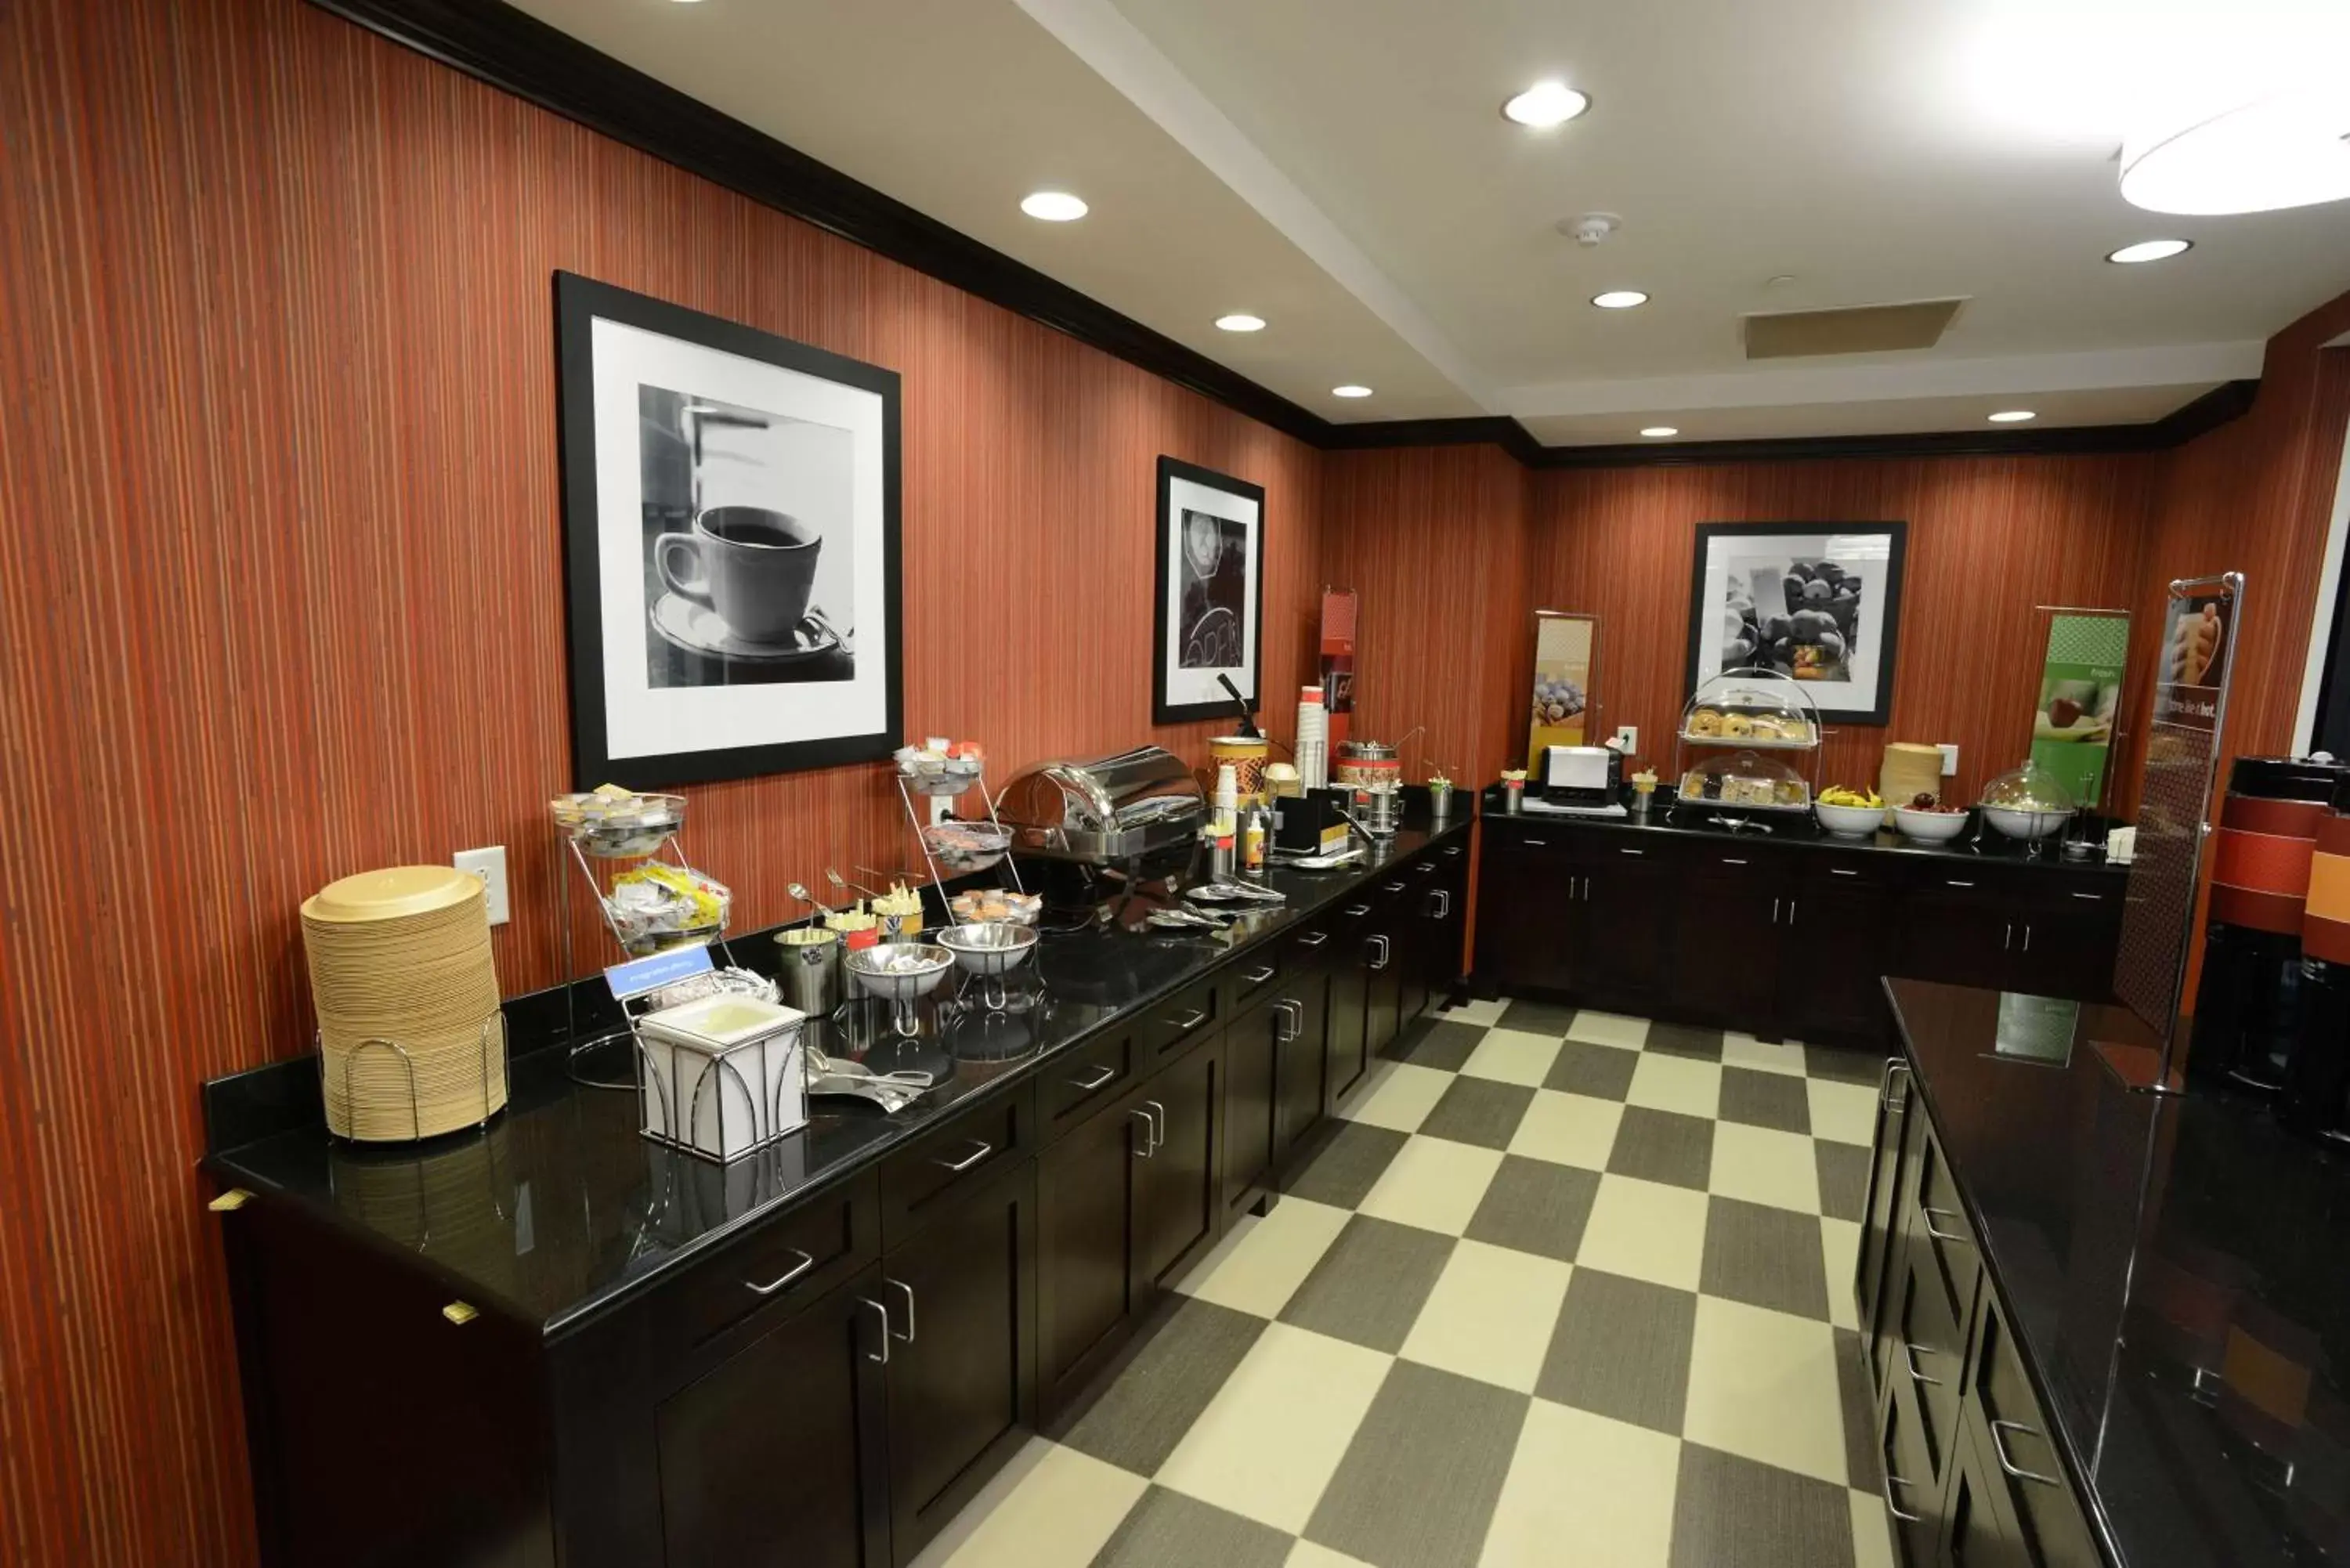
1989,538
282,586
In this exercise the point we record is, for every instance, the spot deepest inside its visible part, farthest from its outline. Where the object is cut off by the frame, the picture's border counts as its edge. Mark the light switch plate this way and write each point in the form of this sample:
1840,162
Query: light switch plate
1950,758
1628,739
490,866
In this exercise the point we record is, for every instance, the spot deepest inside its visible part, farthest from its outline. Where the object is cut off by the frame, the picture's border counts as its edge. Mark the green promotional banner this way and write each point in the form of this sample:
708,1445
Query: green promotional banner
2080,686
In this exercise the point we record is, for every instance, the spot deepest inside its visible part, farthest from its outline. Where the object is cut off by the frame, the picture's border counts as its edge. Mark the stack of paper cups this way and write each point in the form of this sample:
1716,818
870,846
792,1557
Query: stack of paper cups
1228,792
1312,740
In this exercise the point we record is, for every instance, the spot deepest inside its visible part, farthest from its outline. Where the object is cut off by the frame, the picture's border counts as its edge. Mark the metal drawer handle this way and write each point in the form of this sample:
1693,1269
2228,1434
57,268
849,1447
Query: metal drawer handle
1536,842
1999,1430
1443,905
1150,1141
1631,852
1385,948
1392,888
1885,1095
909,1336
1774,911
1452,849
967,1161
1102,1076
1791,911
1909,1357
1839,871
1893,1507
1726,860
1313,938
1158,1125
1190,1021
1936,1232
1954,882
807,1262
1423,868
2027,936
882,1355
2093,898
1352,911
1294,1012
1258,976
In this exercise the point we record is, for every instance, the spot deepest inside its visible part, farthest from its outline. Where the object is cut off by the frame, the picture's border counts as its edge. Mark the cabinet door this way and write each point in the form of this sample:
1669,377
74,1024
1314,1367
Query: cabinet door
1832,950
1724,912
961,1303
1089,1278
1913,1505
1303,1001
1975,1530
1177,1204
1254,1045
1349,999
1383,965
2009,1429
1444,905
777,1456
2066,943
1530,896
1952,929
1880,1221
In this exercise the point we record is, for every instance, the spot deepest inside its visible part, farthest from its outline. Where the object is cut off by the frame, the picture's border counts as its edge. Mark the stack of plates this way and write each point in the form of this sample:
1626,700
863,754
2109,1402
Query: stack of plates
403,955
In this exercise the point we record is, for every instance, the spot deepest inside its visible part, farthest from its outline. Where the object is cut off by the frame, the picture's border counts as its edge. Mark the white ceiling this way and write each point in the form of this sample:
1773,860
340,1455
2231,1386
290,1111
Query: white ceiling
1340,168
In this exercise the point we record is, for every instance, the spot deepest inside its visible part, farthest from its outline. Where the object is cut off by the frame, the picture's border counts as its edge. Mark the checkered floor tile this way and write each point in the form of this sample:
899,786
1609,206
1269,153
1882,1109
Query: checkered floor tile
1557,1287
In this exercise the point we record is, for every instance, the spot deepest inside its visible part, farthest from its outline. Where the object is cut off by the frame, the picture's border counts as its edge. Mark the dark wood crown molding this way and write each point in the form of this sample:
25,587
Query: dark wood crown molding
519,54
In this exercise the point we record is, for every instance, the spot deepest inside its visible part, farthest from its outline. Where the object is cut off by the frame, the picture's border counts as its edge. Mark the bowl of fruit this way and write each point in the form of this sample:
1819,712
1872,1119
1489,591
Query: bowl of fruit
1849,812
1929,821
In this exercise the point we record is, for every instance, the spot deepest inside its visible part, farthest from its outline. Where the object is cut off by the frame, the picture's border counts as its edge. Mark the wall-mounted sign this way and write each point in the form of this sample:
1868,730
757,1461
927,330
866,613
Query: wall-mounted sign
1566,647
2080,698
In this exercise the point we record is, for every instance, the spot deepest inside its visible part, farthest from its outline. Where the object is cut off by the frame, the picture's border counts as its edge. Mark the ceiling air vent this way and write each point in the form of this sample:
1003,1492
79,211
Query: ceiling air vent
1860,329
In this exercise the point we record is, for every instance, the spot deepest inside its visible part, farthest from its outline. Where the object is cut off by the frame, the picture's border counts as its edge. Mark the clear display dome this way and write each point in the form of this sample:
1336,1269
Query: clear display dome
1747,779
1750,708
2029,801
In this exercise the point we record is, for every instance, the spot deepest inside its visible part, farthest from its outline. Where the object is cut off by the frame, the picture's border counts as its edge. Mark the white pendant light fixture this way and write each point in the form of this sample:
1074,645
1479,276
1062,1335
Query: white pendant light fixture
2289,148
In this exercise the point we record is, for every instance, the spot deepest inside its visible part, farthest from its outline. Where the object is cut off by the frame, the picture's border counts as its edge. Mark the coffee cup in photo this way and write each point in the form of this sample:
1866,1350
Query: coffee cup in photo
754,565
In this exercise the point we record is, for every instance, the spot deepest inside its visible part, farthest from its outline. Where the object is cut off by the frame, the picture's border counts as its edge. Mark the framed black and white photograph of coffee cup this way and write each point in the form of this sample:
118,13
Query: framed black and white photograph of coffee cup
731,535
1819,602
1209,622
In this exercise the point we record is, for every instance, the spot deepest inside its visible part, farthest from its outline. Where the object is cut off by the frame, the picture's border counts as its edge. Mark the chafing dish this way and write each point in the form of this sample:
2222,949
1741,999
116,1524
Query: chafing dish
1114,809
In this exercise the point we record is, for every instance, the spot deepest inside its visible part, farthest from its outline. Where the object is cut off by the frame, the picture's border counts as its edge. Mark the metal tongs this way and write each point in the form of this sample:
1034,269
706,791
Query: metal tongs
890,1091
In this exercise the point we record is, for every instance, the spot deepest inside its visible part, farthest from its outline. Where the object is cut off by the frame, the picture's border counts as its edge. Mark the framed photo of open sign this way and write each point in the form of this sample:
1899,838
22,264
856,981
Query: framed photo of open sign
1819,602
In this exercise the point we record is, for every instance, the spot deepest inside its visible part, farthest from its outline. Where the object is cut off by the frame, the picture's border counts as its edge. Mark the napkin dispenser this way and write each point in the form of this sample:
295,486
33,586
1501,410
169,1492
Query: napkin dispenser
1310,824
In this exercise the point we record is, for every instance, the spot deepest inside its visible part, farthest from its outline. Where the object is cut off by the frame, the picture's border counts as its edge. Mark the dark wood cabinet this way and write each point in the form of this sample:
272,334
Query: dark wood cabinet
1792,941
1444,909
1350,1002
1177,1205
1304,999
1974,1535
1254,1058
1881,1213
1913,1504
776,1457
960,1300
1091,1288
1386,955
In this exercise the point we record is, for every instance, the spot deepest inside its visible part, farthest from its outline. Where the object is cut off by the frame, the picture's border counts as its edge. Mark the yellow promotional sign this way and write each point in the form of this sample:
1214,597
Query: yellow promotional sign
1565,646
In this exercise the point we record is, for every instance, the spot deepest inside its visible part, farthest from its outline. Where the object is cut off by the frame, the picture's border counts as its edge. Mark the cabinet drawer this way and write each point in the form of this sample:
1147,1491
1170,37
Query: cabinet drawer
1929,1358
1073,1088
1526,838
792,1258
1940,1225
930,1173
1186,1015
1251,976
1305,949
2016,1435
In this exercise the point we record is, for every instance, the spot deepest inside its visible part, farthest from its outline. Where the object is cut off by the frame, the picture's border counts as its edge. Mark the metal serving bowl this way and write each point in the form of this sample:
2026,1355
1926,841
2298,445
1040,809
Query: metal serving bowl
989,947
899,972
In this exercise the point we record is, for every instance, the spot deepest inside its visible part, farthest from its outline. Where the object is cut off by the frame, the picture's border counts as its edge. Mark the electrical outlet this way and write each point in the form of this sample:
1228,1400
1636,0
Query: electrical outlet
1628,739
1950,758
490,866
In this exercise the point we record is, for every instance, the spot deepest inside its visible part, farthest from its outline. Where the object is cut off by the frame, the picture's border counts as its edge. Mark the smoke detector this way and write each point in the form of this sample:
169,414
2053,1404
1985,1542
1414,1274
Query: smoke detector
1590,229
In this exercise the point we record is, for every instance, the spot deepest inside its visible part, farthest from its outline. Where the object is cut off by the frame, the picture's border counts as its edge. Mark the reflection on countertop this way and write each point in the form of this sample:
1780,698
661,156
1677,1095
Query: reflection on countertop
2177,1268
559,1208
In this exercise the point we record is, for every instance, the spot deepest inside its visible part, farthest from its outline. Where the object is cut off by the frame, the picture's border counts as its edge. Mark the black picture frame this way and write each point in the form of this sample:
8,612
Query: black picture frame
579,303
1165,707
1878,707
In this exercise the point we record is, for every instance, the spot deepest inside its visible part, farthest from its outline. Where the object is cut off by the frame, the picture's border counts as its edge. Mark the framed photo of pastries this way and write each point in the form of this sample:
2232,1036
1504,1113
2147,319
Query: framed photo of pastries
1817,602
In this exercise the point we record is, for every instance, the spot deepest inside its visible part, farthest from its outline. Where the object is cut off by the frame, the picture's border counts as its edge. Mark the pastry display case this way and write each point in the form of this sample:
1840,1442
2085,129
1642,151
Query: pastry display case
1746,739
1745,780
2027,803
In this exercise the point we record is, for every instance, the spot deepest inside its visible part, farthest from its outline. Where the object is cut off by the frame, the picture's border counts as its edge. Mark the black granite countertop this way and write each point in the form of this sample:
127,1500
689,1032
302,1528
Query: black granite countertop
1977,844
559,1208
2175,1268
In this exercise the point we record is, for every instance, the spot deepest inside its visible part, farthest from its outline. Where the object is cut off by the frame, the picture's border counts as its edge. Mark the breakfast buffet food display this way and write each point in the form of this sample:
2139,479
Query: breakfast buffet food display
2027,803
1746,713
1746,779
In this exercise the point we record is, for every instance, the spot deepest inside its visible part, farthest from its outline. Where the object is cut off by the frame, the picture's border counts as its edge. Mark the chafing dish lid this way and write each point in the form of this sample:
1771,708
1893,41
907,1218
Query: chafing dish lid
1147,784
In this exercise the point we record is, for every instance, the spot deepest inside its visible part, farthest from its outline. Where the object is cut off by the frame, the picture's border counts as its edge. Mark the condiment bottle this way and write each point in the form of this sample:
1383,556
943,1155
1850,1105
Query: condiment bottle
1253,832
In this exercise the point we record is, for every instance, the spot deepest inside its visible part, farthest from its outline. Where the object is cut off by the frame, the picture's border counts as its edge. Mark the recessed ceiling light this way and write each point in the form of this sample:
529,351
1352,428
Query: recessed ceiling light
2013,416
1619,299
1546,104
2151,250
1053,206
1350,390
1658,433
1241,321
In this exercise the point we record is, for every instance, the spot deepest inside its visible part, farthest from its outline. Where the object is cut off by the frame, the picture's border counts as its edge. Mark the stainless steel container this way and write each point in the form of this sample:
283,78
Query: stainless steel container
1111,809
810,959
1378,812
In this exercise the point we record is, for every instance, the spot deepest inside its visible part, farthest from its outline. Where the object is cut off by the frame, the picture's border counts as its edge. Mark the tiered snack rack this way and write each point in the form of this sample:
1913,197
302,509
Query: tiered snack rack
949,785
1722,693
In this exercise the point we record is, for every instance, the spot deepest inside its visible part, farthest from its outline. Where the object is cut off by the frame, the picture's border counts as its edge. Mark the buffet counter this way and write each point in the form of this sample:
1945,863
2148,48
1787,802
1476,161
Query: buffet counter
551,1340
1785,934
2102,1324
